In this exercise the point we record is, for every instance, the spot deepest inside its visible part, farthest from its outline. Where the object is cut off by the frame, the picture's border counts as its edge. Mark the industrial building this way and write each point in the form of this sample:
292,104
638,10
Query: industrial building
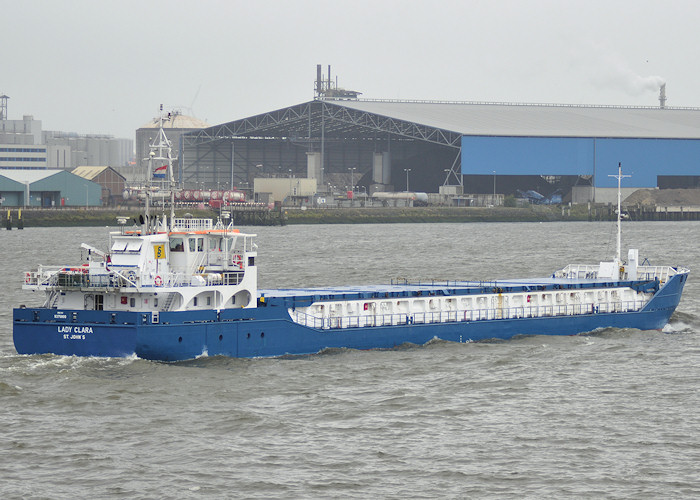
47,188
451,147
20,141
112,182
24,145
70,150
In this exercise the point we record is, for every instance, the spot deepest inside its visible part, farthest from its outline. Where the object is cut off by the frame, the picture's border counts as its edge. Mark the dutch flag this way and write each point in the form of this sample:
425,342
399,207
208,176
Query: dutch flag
159,173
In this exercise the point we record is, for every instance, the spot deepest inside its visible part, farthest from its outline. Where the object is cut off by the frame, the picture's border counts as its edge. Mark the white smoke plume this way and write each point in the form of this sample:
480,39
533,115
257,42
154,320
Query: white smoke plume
612,72
631,82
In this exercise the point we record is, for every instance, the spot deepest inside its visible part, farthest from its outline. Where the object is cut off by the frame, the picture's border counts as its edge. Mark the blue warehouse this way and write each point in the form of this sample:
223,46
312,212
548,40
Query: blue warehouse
473,147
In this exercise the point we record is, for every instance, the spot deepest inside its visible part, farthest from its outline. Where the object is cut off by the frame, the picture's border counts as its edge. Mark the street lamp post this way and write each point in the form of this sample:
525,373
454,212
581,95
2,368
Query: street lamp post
352,184
352,176
407,170
494,188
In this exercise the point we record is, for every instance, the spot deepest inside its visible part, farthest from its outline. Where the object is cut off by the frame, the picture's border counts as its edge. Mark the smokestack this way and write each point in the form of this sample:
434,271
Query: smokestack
319,80
662,96
3,107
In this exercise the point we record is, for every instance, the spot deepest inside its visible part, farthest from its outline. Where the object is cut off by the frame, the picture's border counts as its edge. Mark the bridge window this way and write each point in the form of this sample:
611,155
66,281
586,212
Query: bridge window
118,246
133,246
177,245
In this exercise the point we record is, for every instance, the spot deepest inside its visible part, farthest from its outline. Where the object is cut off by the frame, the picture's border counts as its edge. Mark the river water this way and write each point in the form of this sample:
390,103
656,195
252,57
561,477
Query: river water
612,414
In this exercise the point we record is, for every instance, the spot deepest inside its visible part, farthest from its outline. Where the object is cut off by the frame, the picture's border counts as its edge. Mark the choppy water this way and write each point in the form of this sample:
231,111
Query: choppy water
608,415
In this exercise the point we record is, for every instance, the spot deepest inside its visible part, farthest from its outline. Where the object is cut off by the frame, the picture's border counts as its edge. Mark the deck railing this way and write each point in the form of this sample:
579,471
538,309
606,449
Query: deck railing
586,271
394,319
77,278
190,224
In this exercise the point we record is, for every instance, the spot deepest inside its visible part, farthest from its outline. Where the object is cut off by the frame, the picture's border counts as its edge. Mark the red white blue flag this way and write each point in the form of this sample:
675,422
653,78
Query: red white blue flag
159,172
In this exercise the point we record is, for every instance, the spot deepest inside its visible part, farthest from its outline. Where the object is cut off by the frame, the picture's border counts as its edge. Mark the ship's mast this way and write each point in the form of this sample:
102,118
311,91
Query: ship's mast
619,177
161,157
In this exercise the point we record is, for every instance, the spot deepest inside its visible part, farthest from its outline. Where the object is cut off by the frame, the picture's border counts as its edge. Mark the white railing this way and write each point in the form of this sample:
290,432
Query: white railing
578,271
76,278
188,224
587,271
394,319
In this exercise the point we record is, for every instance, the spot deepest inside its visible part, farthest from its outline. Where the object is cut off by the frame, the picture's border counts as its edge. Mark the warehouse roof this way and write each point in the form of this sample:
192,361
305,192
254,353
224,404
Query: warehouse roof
88,172
21,175
503,119
446,122
91,172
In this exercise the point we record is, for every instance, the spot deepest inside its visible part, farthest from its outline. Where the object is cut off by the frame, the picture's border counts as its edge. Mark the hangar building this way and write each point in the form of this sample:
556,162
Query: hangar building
421,146
47,188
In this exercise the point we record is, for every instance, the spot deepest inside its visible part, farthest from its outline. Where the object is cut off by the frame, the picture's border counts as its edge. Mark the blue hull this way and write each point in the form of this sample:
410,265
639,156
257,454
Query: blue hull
269,331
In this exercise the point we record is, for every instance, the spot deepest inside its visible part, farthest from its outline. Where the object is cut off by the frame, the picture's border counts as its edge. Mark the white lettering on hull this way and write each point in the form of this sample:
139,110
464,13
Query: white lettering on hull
74,332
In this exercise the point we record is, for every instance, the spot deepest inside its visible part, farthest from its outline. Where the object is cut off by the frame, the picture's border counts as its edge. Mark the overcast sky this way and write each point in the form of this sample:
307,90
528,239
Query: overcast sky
105,66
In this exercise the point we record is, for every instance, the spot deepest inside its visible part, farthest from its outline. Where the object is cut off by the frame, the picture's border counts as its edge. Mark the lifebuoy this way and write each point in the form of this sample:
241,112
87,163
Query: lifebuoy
158,281
27,277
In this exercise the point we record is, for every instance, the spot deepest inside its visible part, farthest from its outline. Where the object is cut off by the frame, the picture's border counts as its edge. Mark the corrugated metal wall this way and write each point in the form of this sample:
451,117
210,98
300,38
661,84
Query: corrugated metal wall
65,189
643,159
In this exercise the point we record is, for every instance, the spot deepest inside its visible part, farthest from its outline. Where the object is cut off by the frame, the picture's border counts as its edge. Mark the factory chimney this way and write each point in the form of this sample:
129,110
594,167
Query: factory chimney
319,81
325,89
662,96
3,107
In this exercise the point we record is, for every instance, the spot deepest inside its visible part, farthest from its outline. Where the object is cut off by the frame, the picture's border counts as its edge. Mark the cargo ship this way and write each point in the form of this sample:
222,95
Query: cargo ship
173,289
